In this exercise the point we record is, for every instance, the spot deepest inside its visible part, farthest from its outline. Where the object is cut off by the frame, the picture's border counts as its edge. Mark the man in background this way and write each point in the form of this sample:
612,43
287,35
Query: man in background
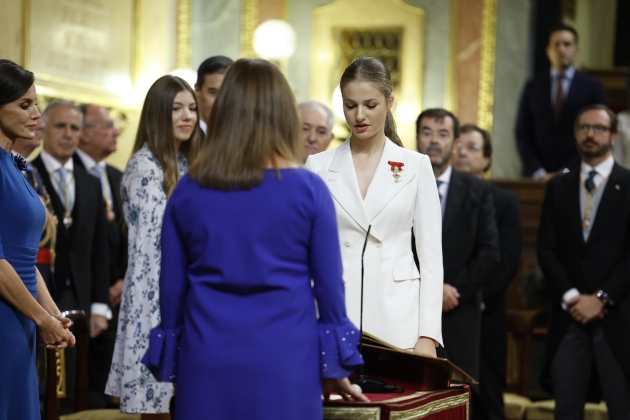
473,155
584,253
96,142
209,78
470,244
317,126
548,107
81,269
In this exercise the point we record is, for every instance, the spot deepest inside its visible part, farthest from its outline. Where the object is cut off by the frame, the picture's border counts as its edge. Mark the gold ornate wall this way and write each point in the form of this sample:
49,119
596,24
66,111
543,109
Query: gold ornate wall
389,29
106,52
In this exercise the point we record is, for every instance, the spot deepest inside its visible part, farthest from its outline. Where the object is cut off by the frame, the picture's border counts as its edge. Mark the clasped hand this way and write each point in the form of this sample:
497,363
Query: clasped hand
55,333
586,308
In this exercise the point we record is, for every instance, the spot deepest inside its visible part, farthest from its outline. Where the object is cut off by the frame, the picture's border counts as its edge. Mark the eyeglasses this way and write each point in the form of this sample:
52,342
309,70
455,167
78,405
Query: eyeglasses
473,147
597,129
102,126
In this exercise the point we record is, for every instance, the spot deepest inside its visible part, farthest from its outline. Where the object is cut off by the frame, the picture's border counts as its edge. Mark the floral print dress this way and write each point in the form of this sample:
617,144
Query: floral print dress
144,202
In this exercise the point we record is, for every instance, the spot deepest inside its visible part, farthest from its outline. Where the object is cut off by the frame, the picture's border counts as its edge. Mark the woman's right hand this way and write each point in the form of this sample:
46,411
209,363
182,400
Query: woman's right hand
344,388
53,333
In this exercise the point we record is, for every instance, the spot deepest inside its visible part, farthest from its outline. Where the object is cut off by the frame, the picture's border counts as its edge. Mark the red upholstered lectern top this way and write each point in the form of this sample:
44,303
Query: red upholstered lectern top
428,393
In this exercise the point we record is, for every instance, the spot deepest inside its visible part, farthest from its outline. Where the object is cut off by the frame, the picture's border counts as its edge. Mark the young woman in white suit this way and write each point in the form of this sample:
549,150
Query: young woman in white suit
376,182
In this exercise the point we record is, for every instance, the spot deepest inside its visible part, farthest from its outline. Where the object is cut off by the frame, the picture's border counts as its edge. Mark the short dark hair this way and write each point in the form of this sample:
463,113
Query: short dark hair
438,114
598,107
15,81
563,27
217,64
487,140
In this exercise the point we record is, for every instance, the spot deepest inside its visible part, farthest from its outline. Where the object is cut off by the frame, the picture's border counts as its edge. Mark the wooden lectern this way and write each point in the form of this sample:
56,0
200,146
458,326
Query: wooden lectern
428,393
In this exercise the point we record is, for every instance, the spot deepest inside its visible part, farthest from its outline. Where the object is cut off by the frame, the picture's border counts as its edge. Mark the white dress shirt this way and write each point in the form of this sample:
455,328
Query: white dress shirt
603,172
52,166
91,166
445,178
566,82
203,126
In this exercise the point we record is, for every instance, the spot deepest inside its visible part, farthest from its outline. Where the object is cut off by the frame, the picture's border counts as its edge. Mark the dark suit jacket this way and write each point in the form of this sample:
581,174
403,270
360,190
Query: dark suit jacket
81,250
116,236
601,263
470,248
494,318
544,141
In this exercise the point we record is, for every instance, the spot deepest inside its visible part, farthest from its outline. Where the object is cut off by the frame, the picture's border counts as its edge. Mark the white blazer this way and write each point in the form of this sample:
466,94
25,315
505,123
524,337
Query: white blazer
399,304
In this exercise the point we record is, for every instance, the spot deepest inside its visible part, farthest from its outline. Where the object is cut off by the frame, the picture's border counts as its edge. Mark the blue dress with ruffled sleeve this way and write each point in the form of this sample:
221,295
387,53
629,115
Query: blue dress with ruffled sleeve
22,217
239,333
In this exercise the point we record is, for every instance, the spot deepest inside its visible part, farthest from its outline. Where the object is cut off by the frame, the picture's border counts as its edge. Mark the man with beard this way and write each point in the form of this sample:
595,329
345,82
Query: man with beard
473,155
470,244
584,252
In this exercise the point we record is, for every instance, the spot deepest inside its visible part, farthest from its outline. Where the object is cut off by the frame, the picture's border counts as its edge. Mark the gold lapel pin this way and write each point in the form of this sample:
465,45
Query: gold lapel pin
617,187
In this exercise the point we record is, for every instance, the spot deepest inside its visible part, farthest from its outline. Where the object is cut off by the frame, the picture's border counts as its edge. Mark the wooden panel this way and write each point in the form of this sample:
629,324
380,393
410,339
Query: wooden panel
530,195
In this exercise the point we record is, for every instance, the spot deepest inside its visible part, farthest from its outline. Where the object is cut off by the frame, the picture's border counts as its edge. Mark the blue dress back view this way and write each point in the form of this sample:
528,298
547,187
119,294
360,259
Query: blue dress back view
22,217
239,332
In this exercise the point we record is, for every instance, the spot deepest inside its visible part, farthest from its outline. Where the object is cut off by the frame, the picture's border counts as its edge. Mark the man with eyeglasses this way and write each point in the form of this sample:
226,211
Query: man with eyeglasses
470,245
96,142
584,252
548,107
473,155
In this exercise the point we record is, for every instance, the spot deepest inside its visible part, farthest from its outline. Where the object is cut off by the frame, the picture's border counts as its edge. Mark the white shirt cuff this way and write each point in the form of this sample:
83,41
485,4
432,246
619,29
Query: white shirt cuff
102,310
539,174
568,295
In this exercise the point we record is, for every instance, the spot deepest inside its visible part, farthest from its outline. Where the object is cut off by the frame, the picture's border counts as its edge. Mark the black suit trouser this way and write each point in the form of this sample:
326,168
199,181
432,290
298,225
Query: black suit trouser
461,331
492,365
571,370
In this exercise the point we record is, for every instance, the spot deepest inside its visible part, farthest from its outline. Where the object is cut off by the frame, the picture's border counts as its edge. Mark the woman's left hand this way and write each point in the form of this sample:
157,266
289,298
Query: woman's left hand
425,346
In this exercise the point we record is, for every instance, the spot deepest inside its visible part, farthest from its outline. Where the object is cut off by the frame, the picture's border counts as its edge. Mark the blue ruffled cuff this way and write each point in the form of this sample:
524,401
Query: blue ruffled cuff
162,357
339,352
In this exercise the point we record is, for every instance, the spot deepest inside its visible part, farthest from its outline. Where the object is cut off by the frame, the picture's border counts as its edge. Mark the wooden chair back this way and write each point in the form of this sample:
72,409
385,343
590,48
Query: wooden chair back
56,397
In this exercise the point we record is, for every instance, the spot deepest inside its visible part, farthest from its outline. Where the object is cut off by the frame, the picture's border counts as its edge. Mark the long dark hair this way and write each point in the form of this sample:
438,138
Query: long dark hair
254,120
15,81
374,71
156,128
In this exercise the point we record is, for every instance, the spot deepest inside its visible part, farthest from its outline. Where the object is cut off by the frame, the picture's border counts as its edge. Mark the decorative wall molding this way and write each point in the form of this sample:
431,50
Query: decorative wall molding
488,55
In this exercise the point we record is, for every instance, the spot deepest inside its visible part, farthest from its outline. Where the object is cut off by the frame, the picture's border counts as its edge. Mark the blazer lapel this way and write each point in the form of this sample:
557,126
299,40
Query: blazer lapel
342,182
383,187
454,200
571,192
608,204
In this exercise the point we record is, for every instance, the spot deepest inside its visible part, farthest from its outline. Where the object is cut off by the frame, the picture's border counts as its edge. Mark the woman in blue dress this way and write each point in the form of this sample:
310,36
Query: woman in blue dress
24,300
243,235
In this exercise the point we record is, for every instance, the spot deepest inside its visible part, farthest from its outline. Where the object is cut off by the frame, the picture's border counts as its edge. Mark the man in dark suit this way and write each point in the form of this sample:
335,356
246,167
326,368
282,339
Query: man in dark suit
470,244
209,79
584,252
81,265
473,155
549,104
97,141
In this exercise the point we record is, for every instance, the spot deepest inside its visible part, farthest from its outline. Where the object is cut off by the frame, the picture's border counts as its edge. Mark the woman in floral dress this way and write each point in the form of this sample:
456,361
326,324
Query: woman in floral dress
168,136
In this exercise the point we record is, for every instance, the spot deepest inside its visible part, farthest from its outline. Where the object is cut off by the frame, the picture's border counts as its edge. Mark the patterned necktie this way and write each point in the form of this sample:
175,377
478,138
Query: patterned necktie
65,189
438,182
590,181
559,95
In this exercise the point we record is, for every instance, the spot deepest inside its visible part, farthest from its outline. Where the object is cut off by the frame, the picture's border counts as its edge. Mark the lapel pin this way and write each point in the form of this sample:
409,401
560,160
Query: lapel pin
396,169
617,187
